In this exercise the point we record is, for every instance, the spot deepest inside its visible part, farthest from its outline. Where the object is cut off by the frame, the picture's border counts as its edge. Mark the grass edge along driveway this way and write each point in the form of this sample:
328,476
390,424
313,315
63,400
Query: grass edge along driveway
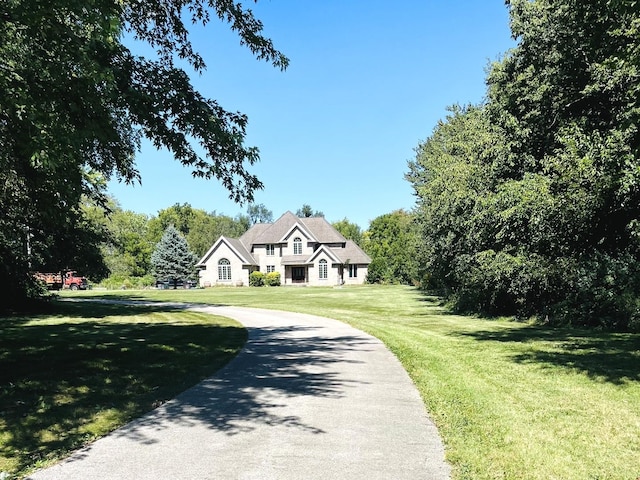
511,400
73,375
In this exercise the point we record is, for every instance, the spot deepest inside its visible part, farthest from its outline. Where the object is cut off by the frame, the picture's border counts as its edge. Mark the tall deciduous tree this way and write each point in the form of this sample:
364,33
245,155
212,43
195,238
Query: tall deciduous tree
171,259
200,228
349,230
259,214
390,241
128,253
75,99
530,203
306,211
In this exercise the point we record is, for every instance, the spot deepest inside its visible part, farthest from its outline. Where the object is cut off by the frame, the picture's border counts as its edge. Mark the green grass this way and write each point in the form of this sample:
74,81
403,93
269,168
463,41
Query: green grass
73,375
511,400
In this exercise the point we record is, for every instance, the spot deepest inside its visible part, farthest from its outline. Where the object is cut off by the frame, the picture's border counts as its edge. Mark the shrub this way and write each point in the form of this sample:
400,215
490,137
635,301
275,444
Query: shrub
119,281
272,279
256,279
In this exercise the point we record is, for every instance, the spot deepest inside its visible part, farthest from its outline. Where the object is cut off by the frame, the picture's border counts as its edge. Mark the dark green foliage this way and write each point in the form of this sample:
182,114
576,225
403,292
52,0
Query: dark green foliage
348,230
172,260
74,100
306,211
530,203
200,228
131,237
259,214
391,243
256,279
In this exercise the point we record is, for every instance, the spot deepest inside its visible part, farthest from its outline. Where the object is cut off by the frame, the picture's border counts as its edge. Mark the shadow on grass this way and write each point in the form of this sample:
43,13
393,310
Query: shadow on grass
611,357
56,376
57,372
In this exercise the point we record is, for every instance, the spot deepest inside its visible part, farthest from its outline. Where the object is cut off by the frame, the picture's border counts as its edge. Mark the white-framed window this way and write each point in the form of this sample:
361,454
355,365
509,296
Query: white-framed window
323,271
271,250
297,246
353,271
271,268
224,269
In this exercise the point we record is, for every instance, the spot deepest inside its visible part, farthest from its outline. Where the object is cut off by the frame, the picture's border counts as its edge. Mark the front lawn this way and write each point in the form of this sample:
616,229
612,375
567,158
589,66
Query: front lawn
511,400
83,370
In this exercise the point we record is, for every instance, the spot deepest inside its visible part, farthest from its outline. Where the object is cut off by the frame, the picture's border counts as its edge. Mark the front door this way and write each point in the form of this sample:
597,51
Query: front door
298,274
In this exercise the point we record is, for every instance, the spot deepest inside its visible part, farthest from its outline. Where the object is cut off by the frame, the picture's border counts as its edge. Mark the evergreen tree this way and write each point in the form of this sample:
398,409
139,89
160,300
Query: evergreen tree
172,260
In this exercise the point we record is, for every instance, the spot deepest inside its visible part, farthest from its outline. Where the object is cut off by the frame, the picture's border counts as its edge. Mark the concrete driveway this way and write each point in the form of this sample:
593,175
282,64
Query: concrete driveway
307,398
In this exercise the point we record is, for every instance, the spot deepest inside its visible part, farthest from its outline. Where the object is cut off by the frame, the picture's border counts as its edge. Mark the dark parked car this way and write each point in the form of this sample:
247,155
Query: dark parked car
168,284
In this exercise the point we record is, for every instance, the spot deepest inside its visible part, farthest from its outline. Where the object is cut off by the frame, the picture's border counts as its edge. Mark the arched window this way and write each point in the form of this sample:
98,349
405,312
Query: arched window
297,246
322,270
224,269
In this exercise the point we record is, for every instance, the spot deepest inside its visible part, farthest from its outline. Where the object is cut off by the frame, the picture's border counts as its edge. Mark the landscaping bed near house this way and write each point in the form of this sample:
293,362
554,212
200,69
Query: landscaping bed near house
84,369
511,400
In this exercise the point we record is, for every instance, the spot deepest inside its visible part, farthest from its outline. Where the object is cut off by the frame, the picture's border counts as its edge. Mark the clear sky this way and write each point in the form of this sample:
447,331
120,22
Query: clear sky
367,82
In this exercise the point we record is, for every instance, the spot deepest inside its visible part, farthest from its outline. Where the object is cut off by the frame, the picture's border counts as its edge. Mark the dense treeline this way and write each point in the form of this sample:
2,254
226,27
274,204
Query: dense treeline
127,241
130,238
529,203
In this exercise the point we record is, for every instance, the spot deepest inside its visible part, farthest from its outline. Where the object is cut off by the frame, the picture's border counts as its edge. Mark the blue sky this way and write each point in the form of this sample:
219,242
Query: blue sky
367,82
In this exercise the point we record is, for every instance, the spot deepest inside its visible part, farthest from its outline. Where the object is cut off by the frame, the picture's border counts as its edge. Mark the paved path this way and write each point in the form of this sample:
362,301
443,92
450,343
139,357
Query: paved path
307,398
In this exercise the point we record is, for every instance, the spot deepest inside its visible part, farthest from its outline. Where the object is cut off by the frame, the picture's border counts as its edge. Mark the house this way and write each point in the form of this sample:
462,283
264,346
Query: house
305,251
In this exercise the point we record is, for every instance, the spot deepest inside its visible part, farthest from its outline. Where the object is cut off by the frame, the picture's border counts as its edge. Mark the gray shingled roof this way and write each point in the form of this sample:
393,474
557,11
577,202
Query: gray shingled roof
294,259
249,237
322,230
235,244
318,227
242,250
277,230
351,252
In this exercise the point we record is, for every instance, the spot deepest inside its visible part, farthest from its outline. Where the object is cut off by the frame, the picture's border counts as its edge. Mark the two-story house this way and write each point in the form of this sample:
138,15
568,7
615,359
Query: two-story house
306,251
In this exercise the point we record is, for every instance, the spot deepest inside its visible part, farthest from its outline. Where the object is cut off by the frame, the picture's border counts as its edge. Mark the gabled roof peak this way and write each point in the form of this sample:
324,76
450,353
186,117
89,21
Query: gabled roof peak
317,229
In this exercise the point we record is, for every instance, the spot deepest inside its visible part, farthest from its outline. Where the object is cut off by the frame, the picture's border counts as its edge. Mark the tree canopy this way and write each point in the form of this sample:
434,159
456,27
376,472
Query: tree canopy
391,244
306,211
349,230
529,203
259,214
75,100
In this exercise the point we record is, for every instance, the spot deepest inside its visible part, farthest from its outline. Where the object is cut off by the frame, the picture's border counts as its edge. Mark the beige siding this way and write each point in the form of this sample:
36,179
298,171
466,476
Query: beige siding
360,279
239,273
336,274
307,245
333,272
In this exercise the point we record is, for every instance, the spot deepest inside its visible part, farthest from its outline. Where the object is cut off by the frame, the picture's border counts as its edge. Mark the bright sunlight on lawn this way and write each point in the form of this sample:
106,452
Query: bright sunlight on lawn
511,400
69,377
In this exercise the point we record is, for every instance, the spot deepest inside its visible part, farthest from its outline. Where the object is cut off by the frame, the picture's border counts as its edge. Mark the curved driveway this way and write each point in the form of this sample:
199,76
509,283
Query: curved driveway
307,398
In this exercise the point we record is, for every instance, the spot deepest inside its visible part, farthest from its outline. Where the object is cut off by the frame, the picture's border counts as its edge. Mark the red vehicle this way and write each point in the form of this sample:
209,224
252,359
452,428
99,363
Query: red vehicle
74,282
68,279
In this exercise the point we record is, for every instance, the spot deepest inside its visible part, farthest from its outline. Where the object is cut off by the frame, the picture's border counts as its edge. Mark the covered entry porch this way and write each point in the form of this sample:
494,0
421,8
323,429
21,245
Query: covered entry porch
296,271
296,275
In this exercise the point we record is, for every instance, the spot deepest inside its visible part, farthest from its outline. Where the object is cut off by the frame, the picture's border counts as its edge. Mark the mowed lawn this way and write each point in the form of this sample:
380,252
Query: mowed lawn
511,400
73,375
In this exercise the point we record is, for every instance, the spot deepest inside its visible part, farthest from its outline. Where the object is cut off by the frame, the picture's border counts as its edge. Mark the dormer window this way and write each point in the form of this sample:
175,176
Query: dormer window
271,250
297,246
